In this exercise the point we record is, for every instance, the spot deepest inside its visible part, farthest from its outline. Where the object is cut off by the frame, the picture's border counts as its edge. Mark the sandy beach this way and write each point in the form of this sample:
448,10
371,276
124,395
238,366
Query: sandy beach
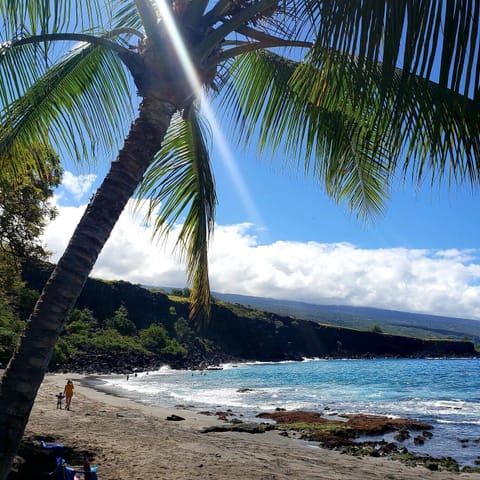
132,441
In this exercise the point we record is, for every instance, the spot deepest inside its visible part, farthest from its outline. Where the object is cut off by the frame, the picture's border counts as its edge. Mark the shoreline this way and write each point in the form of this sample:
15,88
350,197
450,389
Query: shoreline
85,385
94,368
134,441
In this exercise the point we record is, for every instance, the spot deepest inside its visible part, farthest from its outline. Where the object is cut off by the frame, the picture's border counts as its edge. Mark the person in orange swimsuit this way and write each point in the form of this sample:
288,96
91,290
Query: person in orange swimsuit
68,391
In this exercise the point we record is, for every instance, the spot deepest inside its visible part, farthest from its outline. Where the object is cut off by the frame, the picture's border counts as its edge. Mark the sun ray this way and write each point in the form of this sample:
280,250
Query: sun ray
221,143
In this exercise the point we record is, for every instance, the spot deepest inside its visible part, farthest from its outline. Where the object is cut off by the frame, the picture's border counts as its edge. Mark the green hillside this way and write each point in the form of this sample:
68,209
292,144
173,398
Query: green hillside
364,318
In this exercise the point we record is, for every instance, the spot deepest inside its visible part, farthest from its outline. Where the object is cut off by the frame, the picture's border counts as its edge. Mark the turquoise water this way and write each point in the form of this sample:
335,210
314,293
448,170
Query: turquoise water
442,392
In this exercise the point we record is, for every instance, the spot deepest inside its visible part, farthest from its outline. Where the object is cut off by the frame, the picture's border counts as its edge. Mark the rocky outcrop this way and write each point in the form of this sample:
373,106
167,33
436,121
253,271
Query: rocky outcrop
123,363
334,432
343,435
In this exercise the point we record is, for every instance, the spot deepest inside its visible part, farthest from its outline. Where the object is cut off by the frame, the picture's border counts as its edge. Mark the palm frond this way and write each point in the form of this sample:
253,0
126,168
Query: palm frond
125,14
335,147
437,40
19,69
327,114
25,17
79,103
195,10
430,128
245,12
180,182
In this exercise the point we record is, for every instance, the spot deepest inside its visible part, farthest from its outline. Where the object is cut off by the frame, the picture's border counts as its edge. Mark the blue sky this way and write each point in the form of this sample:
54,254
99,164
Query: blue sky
294,208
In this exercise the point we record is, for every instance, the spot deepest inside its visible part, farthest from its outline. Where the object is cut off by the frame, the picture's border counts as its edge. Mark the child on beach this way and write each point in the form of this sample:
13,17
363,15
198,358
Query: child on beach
60,396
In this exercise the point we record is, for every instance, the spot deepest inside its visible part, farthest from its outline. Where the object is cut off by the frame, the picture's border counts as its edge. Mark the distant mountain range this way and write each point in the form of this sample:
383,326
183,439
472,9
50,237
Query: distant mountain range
365,318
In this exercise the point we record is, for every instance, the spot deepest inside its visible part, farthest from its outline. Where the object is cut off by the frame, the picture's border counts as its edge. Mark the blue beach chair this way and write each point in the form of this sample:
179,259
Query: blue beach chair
58,473
56,449
71,471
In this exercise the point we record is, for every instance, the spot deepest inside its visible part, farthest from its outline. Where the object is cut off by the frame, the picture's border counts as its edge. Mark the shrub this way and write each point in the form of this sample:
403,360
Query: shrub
8,340
154,338
121,323
111,341
376,329
80,321
61,352
174,348
183,331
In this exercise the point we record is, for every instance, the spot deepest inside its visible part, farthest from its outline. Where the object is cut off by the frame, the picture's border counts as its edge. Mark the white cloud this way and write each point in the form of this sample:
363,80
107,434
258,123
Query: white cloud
77,185
443,282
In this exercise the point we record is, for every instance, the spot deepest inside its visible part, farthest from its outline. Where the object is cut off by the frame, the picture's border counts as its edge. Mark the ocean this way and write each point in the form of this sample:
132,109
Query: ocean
442,392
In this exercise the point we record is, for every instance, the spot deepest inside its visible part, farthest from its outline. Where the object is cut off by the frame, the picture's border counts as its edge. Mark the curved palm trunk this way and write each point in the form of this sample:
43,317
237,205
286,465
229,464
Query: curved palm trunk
27,368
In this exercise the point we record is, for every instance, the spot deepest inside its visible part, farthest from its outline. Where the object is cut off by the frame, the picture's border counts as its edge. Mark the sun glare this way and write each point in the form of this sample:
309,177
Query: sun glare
226,155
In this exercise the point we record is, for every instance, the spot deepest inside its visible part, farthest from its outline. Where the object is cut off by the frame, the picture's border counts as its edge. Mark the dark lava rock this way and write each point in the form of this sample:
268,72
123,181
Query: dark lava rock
240,427
419,440
402,435
175,418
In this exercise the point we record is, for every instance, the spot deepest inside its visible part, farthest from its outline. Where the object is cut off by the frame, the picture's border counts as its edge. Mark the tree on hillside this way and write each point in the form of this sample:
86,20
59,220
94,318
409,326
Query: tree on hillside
318,79
24,211
120,322
25,207
154,337
10,285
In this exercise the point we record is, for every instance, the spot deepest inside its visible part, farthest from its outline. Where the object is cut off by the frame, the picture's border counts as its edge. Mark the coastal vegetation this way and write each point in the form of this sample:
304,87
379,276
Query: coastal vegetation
25,209
320,80
120,327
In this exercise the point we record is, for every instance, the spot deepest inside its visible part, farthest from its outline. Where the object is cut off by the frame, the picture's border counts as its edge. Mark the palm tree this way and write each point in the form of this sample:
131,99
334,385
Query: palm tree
352,92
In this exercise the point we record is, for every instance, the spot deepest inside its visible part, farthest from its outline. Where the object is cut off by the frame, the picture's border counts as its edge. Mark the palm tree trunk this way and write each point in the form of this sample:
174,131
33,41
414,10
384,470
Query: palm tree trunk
26,370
